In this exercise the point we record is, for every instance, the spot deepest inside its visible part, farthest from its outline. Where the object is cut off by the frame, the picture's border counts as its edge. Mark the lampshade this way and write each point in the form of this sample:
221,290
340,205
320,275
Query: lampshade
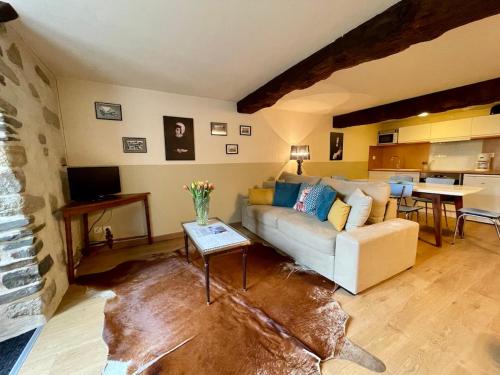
299,152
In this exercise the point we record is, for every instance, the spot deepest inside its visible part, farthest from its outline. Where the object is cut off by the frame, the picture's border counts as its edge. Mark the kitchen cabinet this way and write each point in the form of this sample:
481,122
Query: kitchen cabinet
486,199
415,133
450,131
486,126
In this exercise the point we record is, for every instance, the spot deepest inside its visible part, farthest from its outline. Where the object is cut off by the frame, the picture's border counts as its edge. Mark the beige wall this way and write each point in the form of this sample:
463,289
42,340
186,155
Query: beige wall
263,155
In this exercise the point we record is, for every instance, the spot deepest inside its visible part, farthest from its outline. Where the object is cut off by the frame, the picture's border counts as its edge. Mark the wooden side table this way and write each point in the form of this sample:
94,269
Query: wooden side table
240,243
84,208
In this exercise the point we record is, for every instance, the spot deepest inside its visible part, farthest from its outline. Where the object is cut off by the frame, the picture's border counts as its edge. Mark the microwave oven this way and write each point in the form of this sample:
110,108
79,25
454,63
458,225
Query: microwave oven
389,137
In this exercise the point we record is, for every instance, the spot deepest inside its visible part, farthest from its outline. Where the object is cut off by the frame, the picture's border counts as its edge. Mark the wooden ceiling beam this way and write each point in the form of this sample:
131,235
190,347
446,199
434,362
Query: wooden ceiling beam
484,92
405,23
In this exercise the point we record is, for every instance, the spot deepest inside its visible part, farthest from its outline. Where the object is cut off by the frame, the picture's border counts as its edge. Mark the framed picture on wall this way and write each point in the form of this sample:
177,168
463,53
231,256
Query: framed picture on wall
179,138
336,146
108,111
245,130
231,149
134,145
218,128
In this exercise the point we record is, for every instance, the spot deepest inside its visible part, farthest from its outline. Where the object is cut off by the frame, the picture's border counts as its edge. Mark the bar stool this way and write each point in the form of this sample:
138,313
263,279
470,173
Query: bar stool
494,217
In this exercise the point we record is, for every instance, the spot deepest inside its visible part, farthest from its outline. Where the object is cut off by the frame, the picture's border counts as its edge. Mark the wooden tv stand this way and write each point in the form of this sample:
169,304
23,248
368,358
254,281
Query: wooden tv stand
84,208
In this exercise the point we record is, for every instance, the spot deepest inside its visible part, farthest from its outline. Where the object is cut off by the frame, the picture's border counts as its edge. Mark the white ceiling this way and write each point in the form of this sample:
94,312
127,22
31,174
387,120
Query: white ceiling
225,49
221,49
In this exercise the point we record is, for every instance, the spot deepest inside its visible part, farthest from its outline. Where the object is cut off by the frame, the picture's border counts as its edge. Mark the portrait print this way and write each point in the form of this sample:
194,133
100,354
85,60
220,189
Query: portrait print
179,138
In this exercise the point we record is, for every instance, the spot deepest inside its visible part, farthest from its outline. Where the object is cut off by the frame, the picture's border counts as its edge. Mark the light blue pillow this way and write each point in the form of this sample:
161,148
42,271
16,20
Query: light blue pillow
325,202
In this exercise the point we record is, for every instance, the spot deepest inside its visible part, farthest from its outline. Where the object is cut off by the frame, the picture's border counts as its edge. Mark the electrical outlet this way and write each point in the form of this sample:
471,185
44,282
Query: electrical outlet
106,227
97,229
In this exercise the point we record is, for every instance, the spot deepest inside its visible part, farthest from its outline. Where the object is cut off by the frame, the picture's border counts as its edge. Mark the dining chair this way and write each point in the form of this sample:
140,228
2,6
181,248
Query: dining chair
400,191
400,178
493,217
435,180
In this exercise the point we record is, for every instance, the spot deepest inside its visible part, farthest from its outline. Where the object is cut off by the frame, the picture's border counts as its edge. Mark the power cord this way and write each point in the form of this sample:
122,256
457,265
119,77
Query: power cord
95,221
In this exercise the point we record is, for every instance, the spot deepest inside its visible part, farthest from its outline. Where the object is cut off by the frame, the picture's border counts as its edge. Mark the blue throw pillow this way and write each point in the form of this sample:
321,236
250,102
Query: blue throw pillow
312,199
325,202
285,194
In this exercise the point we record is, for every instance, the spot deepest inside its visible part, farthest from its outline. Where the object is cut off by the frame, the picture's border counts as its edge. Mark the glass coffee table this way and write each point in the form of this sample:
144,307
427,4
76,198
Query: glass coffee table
215,238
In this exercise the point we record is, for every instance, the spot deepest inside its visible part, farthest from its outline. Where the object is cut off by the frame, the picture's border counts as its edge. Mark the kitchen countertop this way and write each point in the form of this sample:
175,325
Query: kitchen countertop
489,172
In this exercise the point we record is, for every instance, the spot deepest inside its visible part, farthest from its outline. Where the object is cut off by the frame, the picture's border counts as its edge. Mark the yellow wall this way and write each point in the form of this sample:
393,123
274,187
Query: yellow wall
262,156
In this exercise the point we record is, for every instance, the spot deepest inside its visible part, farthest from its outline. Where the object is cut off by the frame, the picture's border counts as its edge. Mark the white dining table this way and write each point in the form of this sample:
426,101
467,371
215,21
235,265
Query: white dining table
438,193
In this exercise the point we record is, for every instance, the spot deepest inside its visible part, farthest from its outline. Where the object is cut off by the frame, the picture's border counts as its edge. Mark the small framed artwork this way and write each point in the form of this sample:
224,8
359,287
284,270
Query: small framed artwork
245,130
218,128
231,149
134,145
108,111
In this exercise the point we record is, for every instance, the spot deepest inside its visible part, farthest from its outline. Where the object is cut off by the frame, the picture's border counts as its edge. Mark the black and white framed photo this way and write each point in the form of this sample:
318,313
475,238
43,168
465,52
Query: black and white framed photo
134,145
231,149
336,146
218,128
245,130
179,138
108,111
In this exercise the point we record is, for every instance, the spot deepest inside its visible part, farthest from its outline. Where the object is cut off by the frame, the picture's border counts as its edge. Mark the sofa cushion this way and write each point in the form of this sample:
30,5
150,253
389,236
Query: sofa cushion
296,179
268,215
361,206
312,200
379,191
260,196
338,214
309,231
305,190
285,194
325,203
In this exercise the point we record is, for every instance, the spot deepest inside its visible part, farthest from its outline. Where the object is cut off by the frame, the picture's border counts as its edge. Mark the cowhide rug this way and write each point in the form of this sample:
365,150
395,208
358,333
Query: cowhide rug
285,323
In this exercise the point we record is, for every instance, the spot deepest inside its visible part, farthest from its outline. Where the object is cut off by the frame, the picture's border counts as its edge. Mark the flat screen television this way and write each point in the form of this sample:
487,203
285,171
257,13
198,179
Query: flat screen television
91,183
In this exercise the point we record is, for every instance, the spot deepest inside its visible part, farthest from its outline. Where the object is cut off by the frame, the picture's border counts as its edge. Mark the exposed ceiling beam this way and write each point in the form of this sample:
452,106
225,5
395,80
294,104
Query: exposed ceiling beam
484,92
394,30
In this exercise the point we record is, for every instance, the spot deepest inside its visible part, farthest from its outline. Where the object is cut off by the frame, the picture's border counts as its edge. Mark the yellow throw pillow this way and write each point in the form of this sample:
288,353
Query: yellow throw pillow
338,214
260,196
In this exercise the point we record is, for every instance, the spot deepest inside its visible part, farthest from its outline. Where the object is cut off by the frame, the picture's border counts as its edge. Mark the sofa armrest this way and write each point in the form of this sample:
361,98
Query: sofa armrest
368,255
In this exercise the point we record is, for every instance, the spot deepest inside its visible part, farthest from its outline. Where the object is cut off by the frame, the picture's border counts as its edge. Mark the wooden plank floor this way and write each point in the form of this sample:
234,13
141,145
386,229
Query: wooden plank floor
440,317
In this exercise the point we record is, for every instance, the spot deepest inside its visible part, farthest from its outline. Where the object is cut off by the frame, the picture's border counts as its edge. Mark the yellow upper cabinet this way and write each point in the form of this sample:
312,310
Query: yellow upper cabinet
485,126
415,133
449,131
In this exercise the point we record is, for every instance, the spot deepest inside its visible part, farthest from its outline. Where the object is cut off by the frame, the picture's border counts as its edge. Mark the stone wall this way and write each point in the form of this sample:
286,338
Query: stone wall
32,262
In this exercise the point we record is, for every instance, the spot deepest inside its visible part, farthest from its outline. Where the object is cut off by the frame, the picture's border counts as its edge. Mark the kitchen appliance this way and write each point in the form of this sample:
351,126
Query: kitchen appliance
483,162
388,137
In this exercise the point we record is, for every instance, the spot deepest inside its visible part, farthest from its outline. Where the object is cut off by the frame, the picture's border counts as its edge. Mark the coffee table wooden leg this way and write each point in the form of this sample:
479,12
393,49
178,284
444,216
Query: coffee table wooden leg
207,277
186,246
245,268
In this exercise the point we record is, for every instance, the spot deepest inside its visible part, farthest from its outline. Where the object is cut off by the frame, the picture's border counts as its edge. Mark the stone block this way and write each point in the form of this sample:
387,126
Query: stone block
23,245
33,306
9,73
45,265
12,156
14,55
16,221
8,108
21,277
15,204
22,292
19,233
17,264
51,118
34,91
28,251
11,121
42,139
12,181
42,75
46,151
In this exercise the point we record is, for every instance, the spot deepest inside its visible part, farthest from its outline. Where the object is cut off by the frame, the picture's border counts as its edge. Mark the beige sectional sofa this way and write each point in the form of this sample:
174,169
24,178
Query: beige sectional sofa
355,259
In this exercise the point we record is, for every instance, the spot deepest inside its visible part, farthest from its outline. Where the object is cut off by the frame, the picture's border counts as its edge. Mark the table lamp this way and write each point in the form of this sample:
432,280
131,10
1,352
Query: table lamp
299,153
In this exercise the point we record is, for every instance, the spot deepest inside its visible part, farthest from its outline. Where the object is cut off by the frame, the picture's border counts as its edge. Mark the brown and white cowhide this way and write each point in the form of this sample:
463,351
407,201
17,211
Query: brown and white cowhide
287,322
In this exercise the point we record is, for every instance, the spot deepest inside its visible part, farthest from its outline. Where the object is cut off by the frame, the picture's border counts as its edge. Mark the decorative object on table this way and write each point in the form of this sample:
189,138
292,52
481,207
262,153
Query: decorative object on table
108,111
231,149
179,138
218,128
299,153
245,130
200,191
134,145
336,146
